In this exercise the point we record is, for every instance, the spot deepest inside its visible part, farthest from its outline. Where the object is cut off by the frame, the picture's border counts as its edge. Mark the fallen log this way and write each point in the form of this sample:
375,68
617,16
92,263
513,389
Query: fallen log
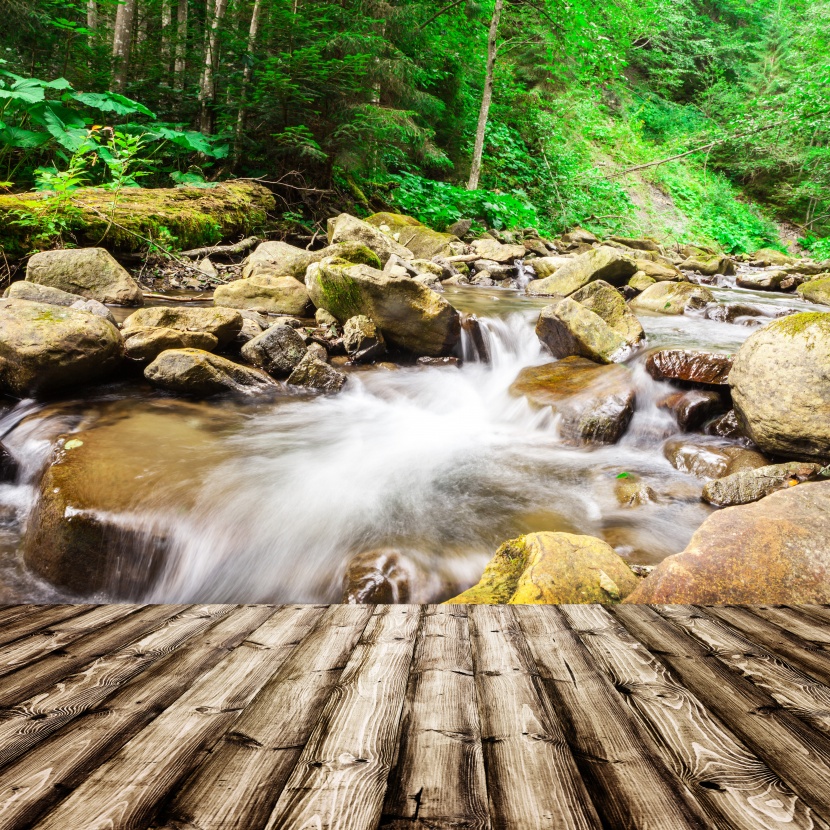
132,219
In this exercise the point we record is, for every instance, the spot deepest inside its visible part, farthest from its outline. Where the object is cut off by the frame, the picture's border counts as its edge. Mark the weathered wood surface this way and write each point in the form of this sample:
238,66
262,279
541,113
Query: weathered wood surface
466,717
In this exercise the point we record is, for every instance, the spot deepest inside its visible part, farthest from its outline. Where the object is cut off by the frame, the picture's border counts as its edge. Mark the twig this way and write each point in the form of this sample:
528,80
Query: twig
439,13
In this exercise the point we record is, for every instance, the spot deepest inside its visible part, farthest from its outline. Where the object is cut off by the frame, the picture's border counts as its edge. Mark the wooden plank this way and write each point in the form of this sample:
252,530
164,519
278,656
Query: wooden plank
238,786
793,689
341,776
11,613
54,637
48,773
24,725
820,613
532,778
790,619
41,617
630,784
126,790
802,653
795,753
724,775
438,782
40,675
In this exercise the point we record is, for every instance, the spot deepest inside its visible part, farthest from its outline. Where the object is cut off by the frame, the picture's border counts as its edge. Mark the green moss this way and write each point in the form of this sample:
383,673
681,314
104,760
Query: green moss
501,576
341,297
796,324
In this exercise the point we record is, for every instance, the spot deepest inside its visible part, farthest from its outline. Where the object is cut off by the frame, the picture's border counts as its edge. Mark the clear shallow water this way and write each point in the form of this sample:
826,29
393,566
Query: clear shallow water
268,500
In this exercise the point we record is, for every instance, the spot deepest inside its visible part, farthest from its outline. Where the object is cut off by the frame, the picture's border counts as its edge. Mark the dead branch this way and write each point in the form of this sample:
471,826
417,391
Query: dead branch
238,248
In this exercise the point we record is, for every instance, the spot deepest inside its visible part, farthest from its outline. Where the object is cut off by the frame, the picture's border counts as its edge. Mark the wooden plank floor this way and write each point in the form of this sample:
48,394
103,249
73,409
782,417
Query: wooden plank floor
399,717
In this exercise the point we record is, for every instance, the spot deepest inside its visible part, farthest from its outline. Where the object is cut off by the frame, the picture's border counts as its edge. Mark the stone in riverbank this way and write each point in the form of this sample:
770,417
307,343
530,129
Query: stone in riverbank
781,386
568,328
199,373
776,551
552,568
424,242
603,263
279,259
276,295
694,407
816,291
710,458
595,403
8,465
762,280
36,293
603,299
46,348
409,315
362,339
92,273
348,228
709,264
278,350
751,485
146,344
705,368
672,298
222,323
313,373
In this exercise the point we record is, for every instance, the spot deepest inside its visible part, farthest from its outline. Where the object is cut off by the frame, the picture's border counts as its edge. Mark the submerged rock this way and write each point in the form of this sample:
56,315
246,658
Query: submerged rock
552,568
706,368
409,315
776,551
595,403
46,348
314,373
603,263
362,339
200,373
223,323
816,291
569,328
751,485
389,576
672,297
781,386
278,350
276,295
146,344
92,273
8,465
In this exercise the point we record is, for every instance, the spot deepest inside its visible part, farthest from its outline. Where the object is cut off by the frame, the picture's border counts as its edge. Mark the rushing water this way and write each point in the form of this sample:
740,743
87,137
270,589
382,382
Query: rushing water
273,497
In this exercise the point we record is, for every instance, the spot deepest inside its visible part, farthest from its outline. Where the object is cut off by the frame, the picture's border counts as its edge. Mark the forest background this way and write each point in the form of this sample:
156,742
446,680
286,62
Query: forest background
364,104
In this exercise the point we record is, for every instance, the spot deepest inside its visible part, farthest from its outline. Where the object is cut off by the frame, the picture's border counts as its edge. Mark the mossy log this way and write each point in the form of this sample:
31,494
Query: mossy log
128,221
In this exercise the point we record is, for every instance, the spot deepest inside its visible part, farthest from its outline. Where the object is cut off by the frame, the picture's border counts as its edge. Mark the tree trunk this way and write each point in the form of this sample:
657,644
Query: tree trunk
166,22
207,90
121,41
181,46
246,79
486,97
92,15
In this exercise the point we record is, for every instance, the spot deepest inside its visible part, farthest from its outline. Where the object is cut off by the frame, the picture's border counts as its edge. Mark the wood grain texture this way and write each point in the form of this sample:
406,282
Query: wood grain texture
59,635
797,755
48,773
438,781
38,676
532,778
239,784
792,688
25,724
125,791
621,766
725,776
340,778
40,616
796,622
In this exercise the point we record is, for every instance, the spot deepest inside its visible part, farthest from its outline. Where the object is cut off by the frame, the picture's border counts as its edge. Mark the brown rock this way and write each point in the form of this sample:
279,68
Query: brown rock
146,344
708,368
692,408
710,459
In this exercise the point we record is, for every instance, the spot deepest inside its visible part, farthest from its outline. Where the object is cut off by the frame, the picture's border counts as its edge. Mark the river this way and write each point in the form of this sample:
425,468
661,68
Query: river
267,500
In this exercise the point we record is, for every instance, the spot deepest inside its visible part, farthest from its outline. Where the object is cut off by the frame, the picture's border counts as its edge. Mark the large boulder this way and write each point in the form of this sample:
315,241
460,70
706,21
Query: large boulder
769,256
424,242
672,298
89,272
36,293
199,373
705,368
816,291
279,259
45,348
595,403
603,263
709,264
278,350
313,373
223,323
276,295
762,280
348,228
568,328
780,385
775,551
751,485
552,568
604,300
409,315
146,344
101,521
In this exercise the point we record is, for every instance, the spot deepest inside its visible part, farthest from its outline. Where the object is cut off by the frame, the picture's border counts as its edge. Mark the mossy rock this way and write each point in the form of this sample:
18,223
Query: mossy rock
181,217
816,291
552,568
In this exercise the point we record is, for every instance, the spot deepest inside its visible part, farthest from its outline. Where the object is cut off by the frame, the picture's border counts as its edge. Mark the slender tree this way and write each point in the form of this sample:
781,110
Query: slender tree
121,43
486,97
207,89
246,79
180,64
